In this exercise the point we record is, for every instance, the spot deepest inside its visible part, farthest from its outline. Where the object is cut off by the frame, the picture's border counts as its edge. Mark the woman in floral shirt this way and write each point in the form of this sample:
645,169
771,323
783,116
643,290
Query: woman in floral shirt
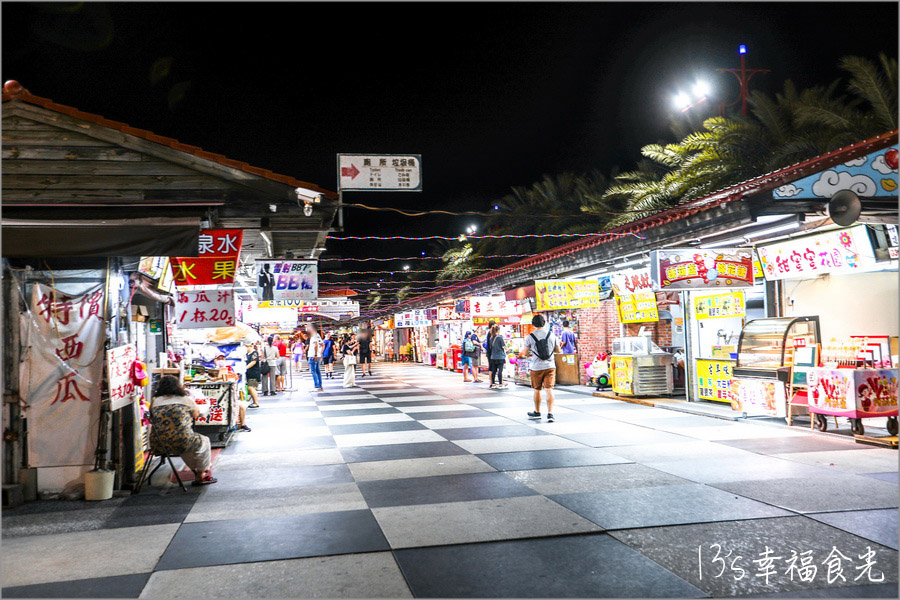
173,412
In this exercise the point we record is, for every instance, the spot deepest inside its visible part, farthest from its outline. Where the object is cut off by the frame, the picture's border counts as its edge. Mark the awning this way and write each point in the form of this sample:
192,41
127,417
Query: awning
156,236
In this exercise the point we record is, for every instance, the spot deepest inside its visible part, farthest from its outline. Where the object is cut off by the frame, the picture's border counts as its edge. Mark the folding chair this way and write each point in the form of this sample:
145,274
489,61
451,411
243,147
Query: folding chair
163,453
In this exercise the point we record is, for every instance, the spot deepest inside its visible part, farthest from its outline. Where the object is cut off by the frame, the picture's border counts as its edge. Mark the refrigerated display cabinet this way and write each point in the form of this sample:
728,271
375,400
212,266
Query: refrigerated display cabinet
766,346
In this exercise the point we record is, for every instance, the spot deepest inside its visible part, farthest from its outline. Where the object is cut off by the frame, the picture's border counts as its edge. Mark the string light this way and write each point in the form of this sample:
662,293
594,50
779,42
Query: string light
382,282
342,273
490,214
515,236
419,258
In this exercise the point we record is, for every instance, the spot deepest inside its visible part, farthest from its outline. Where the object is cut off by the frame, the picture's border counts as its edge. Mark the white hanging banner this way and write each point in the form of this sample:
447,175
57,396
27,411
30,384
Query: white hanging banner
64,362
202,309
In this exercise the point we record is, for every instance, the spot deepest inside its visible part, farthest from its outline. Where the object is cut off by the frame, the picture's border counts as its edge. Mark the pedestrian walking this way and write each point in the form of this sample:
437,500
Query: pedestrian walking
348,355
271,357
282,363
567,340
314,354
497,357
541,346
297,352
253,374
328,355
365,352
469,354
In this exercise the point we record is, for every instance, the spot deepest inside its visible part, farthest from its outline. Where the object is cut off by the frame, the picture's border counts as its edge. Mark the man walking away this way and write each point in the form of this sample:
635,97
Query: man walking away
541,345
365,352
315,356
567,339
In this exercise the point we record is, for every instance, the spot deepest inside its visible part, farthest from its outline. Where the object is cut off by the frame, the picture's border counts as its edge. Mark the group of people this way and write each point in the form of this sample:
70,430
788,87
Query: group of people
323,349
541,347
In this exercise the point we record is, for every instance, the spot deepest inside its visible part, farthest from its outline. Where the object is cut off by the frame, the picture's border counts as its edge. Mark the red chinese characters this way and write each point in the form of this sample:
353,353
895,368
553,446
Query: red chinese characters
216,261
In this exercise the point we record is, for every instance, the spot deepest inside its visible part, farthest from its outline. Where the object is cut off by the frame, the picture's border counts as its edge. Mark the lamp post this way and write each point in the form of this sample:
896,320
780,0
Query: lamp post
743,75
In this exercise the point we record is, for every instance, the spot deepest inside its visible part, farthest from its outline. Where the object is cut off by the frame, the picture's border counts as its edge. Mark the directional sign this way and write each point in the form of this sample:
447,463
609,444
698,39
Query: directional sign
380,172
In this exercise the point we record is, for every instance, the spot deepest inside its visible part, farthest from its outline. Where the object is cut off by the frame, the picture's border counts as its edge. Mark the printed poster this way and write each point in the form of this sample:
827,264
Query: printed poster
63,370
287,280
203,309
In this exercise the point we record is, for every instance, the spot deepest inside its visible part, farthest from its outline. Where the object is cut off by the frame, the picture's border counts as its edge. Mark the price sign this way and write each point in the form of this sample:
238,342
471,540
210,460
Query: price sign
204,309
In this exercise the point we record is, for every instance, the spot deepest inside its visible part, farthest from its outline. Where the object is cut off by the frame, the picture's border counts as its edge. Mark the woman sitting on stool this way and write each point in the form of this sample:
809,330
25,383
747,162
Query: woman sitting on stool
173,412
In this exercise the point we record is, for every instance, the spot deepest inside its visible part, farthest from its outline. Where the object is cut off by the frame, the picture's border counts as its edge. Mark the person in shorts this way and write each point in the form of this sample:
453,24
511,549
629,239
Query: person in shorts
253,375
542,368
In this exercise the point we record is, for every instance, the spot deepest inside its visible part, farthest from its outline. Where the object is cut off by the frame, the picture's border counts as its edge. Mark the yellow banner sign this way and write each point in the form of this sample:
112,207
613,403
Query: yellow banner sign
719,306
714,379
558,294
622,374
637,308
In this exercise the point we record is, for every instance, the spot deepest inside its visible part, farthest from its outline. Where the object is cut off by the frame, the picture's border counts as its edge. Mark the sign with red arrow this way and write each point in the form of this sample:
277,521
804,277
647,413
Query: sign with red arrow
380,172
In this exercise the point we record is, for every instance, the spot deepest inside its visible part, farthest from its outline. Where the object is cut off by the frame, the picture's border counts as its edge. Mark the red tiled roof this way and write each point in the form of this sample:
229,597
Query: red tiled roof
13,90
763,183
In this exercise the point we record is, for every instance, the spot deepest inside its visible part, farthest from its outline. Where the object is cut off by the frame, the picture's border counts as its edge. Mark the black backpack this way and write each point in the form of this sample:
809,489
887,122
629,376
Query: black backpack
542,347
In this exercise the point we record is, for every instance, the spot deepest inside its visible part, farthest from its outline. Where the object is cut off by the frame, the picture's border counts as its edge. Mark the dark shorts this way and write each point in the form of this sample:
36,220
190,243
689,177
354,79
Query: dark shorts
365,357
327,360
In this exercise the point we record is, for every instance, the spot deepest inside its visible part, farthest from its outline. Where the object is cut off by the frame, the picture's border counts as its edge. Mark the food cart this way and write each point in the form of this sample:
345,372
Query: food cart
765,357
852,393
640,367
220,420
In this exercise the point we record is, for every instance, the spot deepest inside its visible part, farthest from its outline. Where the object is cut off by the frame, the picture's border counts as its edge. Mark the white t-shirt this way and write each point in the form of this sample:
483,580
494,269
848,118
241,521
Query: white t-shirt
315,347
166,400
536,363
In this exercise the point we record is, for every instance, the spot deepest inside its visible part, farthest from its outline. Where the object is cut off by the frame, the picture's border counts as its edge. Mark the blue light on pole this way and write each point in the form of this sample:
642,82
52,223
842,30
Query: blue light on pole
742,49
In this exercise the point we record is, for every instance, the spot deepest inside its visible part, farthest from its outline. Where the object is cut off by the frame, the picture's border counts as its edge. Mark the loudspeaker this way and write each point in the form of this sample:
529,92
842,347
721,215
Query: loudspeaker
844,208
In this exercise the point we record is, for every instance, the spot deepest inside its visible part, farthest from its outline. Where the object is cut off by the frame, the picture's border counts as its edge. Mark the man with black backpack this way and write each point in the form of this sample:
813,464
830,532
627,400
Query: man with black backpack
541,347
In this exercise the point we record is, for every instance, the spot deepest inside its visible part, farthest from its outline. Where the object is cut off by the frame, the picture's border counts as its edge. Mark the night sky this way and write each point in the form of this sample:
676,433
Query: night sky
492,95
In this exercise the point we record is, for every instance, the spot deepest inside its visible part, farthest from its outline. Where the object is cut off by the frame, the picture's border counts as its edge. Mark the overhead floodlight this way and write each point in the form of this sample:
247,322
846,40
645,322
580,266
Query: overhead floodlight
701,89
742,49
681,101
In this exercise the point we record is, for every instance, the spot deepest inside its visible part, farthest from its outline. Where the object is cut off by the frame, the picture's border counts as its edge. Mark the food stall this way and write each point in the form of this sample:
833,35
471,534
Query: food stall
856,381
764,361
219,421
640,367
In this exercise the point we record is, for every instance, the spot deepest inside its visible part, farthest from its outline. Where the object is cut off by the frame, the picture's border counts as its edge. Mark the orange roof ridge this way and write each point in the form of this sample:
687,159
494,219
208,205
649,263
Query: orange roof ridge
13,90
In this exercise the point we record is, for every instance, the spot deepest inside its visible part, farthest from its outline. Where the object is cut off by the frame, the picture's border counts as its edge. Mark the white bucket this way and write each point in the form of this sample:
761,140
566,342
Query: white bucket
98,485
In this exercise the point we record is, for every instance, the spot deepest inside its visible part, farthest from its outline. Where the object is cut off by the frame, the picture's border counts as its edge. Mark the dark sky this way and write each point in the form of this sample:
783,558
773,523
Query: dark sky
492,95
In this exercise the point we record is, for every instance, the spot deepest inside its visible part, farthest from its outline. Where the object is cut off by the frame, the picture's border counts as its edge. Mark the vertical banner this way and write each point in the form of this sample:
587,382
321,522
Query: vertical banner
205,308
119,363
64,368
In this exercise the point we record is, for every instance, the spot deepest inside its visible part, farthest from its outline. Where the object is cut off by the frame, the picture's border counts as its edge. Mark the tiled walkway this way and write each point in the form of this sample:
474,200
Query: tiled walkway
417,484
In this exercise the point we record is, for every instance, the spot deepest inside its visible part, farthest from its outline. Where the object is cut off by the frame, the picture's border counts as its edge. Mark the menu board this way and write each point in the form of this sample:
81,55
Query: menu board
714,379
557,294
622,374
719,306
637,308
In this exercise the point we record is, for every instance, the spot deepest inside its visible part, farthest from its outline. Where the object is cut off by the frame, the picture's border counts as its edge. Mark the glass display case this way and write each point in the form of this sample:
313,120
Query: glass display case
766,346
635,346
